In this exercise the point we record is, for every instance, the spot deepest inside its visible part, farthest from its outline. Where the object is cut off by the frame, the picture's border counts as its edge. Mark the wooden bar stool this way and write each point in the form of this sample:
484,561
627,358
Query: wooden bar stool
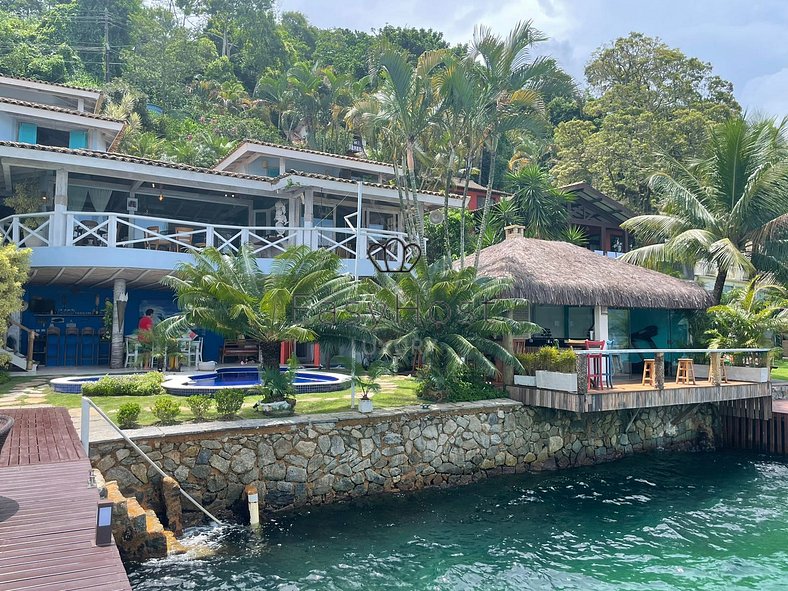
649,375
685,373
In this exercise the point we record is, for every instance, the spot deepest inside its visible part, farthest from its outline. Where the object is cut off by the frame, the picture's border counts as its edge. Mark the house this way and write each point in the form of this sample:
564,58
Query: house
108,225
574,295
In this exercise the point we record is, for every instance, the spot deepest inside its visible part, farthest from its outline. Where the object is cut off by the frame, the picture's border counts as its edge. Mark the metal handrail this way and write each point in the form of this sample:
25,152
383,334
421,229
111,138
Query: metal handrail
636,351
87,403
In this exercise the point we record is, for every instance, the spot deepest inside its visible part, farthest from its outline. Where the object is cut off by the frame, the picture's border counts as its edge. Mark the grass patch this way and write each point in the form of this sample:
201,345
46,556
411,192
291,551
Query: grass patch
397,391
780,372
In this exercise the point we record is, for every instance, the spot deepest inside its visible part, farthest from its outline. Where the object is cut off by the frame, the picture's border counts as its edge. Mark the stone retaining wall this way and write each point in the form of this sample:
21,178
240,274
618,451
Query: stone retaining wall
780,390
325,458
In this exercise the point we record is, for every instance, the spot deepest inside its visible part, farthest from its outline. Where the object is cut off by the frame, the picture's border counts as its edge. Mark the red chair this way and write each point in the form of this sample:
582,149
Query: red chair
596,364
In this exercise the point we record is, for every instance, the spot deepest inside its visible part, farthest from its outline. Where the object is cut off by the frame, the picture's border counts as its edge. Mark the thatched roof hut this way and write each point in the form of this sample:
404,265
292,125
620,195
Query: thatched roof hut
561,274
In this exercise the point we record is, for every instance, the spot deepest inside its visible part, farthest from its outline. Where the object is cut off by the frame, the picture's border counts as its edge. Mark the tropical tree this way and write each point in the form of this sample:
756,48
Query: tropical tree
750,316
402,110
543,207
718,209
512,84
301,299
444,319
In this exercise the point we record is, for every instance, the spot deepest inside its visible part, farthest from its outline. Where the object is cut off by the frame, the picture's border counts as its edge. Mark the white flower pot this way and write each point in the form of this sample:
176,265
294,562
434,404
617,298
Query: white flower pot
365,405
556,380
206,366
736,373
525,381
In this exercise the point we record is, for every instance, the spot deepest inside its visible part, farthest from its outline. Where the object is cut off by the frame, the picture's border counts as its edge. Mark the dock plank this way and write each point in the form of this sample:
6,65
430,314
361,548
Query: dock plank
48,511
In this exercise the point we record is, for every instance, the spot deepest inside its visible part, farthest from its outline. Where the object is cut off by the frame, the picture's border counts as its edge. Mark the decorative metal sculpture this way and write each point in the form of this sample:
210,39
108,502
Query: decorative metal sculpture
390,262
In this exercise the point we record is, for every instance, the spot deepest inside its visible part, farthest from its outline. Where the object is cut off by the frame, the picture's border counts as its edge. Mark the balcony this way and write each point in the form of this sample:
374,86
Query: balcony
80,239
714,382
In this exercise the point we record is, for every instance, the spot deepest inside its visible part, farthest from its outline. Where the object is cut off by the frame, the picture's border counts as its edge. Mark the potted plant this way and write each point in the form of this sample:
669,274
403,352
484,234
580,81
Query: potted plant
276,390
369,384
528,376
27,198
552,368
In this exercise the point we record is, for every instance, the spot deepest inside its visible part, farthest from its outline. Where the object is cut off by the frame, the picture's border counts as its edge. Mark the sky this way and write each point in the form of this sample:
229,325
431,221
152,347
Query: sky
744,40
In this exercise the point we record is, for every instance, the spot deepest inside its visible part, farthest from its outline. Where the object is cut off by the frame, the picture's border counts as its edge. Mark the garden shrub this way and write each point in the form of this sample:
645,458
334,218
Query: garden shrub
147,384
165,409
228,402
128,413
468,386
199,405
548,359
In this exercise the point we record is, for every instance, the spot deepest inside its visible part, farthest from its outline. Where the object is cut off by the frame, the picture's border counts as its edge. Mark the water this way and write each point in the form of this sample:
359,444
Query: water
654,522
250,376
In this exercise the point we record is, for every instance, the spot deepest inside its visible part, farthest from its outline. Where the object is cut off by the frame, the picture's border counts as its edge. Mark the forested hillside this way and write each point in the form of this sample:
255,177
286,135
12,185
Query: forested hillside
191,77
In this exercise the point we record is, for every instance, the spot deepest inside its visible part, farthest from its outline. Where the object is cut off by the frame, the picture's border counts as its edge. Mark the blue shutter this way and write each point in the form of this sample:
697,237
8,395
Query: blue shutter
78,139
28,133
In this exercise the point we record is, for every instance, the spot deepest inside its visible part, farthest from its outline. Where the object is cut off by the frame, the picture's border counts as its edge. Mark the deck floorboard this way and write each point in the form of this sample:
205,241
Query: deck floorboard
48,511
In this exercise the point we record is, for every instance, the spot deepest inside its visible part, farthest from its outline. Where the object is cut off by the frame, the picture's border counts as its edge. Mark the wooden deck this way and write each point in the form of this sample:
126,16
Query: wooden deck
48,511
630,395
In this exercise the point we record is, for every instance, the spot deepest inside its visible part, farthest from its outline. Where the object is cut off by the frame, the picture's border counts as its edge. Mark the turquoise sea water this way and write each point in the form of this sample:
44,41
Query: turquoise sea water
654,522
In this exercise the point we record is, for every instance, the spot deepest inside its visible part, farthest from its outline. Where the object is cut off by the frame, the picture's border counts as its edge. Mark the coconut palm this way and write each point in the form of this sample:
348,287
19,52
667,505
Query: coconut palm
444,318
720,209
512,82
302,298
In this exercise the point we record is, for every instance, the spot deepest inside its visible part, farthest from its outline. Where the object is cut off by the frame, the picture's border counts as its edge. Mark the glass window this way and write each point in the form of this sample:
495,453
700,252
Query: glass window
618,328
551,319
581,322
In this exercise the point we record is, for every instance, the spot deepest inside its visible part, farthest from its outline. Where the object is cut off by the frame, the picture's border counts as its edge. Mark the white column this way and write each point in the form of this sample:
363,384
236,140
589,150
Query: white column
310,238
293,217
116,352
601,332
57,232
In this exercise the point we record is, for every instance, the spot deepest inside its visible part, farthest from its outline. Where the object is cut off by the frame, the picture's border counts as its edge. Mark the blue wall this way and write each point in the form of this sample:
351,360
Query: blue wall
61,306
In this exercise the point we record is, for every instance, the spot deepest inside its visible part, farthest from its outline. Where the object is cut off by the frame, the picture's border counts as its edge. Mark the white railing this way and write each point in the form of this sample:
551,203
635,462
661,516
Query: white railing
115,230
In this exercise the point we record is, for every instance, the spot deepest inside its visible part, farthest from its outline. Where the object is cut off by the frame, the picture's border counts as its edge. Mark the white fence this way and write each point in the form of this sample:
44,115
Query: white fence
166,234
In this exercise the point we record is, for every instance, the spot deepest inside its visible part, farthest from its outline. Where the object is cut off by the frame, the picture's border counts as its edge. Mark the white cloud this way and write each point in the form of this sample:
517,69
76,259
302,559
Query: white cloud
767,94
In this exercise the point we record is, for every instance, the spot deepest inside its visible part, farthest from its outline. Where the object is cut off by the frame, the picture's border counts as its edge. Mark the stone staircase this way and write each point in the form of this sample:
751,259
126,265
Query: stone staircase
138,532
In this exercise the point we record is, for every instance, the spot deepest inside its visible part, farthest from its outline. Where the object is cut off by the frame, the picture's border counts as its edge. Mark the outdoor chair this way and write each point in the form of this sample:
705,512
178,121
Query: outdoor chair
184,238
597,374
52,343
153,242
649,369
132,352
6,424
685,373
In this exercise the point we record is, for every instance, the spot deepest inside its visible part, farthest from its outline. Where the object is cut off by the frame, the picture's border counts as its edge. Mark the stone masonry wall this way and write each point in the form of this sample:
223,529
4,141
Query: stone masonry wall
327,458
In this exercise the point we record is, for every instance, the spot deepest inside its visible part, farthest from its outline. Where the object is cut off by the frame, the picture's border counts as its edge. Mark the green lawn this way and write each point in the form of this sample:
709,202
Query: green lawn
404,394
780,372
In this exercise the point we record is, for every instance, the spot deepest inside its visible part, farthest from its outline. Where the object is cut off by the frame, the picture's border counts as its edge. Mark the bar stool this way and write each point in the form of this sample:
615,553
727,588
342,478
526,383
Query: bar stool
649,376
103,347
595,364
71,344
88,346
685,373
53,338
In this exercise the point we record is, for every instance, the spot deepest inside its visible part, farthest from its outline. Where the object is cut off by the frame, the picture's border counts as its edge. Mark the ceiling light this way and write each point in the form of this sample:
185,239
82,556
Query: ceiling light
161,196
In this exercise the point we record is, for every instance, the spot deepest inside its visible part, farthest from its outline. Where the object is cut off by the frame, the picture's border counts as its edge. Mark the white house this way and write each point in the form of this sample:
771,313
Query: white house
110,224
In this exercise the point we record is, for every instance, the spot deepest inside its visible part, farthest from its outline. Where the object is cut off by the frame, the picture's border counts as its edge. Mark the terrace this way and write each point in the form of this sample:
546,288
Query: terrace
717,380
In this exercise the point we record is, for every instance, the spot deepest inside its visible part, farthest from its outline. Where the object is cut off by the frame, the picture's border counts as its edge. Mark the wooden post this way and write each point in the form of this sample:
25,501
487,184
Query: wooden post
252,500
715,364
508,370
581,367
659,370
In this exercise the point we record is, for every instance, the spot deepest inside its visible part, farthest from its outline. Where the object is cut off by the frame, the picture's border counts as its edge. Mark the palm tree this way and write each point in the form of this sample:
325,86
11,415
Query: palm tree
512,84
444,318
542,206
751,316
302,299
720,209
402,110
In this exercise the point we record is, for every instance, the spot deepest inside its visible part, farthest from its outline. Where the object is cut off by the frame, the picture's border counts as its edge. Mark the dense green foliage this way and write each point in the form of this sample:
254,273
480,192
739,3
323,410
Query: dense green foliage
547,359
146,384
128,414
14,268
166,410
199,405
466,386
228,402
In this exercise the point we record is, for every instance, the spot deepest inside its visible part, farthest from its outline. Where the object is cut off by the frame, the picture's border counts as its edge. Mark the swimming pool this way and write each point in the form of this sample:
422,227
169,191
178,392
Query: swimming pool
73,384
248,377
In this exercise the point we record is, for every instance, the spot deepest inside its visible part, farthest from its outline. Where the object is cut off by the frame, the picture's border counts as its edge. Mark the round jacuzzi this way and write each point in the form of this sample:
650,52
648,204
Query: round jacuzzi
249,377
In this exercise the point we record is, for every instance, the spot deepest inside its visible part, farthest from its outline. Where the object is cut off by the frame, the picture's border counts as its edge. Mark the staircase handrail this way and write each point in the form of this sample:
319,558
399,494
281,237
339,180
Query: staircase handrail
87,403
31,337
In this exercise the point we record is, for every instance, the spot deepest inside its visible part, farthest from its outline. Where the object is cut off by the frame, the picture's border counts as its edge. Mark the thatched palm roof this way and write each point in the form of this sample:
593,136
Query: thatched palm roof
559,273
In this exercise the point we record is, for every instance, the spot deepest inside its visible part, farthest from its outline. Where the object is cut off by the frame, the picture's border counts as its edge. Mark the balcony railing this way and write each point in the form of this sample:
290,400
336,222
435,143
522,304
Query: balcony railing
117,230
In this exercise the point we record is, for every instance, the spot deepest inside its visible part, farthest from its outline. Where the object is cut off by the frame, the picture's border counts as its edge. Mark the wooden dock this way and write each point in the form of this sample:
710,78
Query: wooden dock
747,428
48,511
